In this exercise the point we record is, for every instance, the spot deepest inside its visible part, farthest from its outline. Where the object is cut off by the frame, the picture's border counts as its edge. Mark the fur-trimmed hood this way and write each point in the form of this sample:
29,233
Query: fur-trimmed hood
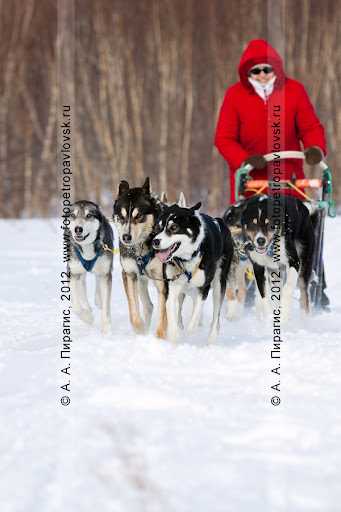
259,51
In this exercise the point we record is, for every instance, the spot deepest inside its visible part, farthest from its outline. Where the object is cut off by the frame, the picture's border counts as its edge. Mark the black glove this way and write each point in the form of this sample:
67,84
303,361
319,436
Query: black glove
313,155
257,161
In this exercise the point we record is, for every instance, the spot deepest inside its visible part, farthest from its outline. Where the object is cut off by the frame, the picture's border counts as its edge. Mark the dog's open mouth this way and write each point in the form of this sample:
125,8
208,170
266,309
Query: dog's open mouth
127,244
166,254
81,238
261,250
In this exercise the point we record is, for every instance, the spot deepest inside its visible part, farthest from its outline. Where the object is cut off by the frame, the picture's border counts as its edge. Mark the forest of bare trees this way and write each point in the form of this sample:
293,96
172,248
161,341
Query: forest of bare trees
148,78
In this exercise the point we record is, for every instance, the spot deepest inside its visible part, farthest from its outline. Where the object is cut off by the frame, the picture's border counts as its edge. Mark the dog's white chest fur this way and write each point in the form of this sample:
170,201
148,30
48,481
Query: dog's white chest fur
271,262
263,259
198,279
76,267
129,265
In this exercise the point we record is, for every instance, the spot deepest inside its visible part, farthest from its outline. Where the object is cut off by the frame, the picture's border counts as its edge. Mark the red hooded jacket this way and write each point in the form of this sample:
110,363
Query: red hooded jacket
248,126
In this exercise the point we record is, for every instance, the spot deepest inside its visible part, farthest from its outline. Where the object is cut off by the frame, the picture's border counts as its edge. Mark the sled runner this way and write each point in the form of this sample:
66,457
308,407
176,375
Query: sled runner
319,208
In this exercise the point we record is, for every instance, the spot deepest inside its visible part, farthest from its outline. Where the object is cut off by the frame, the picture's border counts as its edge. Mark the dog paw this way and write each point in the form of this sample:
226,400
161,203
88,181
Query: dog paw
161,333
233,310
146,325
213,335
194,322
193,326
285,307
172,335
106,328
139,328
87,316
181,325
285,313
180,322
262,308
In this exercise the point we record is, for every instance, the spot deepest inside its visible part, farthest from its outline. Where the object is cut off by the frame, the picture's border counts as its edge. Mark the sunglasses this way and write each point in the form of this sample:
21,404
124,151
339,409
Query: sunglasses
257,71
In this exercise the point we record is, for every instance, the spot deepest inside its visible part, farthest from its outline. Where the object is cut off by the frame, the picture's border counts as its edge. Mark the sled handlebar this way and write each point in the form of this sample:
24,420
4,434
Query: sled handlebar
244,181
281,155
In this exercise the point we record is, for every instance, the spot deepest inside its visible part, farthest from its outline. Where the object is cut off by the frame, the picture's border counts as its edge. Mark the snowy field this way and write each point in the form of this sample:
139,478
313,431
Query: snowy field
157,428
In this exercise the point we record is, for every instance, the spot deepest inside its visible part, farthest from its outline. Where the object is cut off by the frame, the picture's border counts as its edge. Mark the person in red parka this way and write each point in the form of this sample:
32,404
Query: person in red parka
265,98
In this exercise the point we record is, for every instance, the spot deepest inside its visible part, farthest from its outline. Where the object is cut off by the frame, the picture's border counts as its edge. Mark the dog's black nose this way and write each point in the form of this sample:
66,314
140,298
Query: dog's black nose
78,230
261,240
156,243
126,238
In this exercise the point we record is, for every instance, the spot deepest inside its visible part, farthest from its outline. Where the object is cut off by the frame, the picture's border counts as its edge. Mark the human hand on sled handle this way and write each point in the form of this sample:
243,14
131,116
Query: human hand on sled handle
313,155
257,161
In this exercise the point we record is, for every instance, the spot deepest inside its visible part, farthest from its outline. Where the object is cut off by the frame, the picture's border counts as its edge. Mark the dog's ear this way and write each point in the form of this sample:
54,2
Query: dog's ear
163,197
123,187
99,215
182,200
146,186
195,207
229,215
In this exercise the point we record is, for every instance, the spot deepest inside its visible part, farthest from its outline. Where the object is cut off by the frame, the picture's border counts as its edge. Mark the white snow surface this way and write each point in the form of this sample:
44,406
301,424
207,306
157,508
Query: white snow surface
155,427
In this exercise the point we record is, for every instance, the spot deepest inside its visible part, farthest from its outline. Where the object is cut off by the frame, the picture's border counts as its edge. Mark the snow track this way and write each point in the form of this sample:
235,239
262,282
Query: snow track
152,427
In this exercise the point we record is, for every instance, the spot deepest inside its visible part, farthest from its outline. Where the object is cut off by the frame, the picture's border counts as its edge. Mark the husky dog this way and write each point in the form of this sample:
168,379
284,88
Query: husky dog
196,252
90,235
240,289
135,211
280,241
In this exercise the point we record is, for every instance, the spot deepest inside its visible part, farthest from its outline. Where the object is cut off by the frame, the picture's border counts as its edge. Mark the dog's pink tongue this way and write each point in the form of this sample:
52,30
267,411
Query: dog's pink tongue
163,255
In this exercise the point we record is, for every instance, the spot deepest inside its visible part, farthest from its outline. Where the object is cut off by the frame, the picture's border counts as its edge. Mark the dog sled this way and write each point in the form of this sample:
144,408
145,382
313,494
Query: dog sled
320,206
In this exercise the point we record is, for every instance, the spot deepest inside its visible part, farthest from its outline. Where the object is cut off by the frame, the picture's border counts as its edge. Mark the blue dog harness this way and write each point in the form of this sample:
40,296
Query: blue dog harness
178,263
270,249
142,261
88,265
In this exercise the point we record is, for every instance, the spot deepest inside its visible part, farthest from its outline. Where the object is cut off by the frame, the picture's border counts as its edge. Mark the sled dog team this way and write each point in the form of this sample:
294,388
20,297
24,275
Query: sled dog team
184,252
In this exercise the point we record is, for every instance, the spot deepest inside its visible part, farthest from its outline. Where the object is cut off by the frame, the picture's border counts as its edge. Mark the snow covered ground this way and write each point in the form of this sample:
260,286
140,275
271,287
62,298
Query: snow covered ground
152,427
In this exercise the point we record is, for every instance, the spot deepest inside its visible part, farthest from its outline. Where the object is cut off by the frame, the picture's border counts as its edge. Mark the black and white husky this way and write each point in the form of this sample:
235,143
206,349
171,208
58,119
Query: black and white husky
91,236
279,240
135,212
195,251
